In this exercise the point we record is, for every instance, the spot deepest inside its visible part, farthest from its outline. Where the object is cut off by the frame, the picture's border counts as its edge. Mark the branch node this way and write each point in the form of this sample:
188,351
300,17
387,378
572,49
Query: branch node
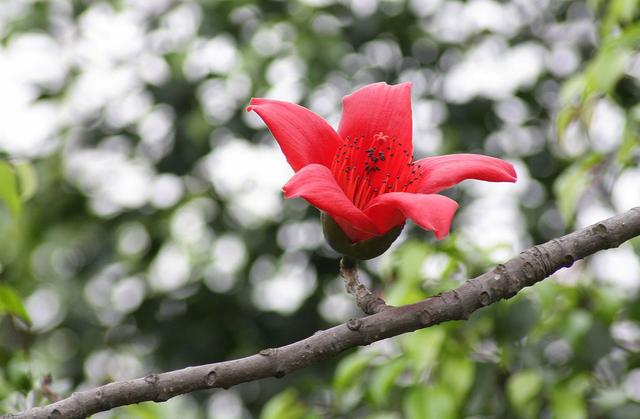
464,314
512,288
424,317
151,379
354,324
365,299
567,256
267,352
569,259
529,272
278,370
211,378
160,393
600,230
55,414
484,298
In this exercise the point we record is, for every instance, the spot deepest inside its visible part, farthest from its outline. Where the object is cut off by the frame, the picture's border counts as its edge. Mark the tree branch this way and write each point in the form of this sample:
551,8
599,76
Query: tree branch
531,266
368,302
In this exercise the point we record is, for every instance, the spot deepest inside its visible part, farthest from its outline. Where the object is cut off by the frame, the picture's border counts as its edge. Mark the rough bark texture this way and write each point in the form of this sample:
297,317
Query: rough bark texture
368,302
531,266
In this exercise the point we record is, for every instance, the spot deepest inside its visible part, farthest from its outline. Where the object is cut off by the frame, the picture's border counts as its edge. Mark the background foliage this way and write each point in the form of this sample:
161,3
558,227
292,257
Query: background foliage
143,227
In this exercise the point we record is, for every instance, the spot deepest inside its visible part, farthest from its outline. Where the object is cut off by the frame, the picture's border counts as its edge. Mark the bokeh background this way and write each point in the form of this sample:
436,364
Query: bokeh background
143,226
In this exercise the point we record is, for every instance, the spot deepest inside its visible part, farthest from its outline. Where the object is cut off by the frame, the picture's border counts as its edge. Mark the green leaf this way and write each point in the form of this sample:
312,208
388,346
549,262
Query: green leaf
618,12
435,402
10,303
407,287
572,183
564,117
141,411
607,68
423,347
349,369
410,260
514,320
577,324
457,373
567,402
27,179
9,189
631,137
523,387
286,406
630,37
384,415
572,90
384,378
607,303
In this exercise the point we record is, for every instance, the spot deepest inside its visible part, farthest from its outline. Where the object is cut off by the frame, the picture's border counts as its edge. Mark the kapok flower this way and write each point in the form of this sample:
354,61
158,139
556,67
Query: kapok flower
363,176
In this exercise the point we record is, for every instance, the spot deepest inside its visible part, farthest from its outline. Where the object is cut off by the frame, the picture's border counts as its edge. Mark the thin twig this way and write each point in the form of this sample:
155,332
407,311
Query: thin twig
46,390
531,266
368,302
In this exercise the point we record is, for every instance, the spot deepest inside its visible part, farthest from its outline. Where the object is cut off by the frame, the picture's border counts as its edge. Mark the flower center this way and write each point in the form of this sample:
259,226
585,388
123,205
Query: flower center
365,168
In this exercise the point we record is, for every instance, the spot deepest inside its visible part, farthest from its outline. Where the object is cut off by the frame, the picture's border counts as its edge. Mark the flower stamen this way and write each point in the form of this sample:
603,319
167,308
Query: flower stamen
368,167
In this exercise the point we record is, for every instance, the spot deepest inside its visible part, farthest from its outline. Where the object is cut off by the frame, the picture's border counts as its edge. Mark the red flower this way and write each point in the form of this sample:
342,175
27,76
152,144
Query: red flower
364,176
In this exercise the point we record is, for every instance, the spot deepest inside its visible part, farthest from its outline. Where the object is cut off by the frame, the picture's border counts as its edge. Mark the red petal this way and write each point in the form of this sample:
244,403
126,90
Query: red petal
303,136
378,108
431,212
442,172
316,184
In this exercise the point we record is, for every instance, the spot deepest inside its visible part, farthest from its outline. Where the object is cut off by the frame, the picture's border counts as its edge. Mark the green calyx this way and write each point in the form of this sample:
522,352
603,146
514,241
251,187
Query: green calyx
362,250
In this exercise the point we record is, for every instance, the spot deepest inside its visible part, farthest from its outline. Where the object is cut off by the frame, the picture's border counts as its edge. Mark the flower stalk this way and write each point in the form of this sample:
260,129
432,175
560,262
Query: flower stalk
366,300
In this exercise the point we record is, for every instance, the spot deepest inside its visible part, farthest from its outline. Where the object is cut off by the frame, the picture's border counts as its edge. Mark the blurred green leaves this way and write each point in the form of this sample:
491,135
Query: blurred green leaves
434,402
27,179
18,183
536,355
605,70
10,303
350,369
572,183
523,388
567,399
384,379
9,193
286,405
